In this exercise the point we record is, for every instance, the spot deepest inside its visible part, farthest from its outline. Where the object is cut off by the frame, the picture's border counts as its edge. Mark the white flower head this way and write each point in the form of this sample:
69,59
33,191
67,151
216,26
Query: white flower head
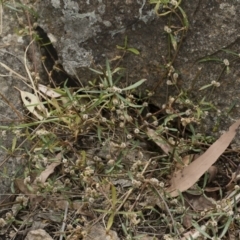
167,29
226,62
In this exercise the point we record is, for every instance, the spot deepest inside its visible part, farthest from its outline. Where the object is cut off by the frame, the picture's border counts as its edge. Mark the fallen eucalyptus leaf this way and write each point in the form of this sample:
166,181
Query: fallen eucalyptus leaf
184,179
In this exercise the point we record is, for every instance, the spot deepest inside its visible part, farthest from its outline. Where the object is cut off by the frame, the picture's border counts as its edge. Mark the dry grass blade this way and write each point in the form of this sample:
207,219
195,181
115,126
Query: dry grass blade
15,73
184,179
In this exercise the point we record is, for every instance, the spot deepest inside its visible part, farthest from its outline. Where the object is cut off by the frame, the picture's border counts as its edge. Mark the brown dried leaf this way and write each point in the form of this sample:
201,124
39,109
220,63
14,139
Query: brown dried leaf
184,179
38,234
187,221
212,171
199,203
97,232
22,187
185,161
50,169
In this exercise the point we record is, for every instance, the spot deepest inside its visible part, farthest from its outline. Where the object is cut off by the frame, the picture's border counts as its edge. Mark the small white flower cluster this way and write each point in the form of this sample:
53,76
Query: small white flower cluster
22,200
180,210
213,223
88,171
169,82
129,136
167,29
97,159
9,216
167,237
175,77
226,62
3,223
136,165
27,180
42,132
145,104
4,134
136,183
111,162
215,84
188,112
114,89
173,2
123,145
174,202
85,116
133,219
91,193
186,121
115,101
17,132
136,130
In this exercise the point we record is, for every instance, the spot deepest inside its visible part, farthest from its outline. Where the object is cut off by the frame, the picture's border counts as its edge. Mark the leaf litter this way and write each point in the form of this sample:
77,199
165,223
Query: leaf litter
187,171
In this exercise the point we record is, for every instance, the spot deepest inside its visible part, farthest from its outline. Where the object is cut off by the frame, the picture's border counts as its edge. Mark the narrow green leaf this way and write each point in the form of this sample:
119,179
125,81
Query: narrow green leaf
117,70
185,19
96,71
110,222
226,227
133,50
135,85
14,143
119,47
128,103
202,231
125,42
206,86
109,73
230,52
114,196
208,59
227,69
99,131
173,41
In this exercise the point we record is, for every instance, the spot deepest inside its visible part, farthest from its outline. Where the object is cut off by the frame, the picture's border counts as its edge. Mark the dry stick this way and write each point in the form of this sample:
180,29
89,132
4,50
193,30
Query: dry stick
31,35
167,208
28,72
64,220
17,74
1,13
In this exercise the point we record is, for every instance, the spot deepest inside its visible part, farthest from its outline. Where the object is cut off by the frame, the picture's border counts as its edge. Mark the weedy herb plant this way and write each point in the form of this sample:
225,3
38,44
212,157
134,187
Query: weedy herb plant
101,155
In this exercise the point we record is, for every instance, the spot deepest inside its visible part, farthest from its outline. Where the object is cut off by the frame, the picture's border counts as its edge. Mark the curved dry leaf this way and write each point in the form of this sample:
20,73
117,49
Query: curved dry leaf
38,234
184,179
187,220
33,105
50,169
212,171
98,232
